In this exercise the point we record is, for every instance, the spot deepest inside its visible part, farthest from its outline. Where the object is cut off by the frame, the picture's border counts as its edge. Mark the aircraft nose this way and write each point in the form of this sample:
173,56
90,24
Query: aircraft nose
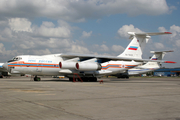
5,65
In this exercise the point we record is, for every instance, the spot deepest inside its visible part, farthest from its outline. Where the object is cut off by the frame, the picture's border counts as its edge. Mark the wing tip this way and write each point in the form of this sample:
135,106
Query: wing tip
169,62
168,32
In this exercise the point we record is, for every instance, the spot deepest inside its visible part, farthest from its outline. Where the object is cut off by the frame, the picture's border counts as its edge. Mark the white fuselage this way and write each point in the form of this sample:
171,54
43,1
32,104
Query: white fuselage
141,71
49,65
36,65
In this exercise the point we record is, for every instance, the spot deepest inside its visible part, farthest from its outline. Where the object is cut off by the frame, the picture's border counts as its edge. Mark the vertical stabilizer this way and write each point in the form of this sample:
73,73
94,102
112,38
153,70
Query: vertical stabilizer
157,56
136,46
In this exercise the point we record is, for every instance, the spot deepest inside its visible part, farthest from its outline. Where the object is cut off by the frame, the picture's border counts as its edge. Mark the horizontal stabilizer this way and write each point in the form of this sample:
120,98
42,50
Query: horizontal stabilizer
149,34
137,45
156,52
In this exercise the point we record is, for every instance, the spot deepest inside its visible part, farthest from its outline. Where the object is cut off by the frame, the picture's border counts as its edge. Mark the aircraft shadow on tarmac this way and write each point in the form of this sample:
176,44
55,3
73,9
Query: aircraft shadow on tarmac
55,80
98,81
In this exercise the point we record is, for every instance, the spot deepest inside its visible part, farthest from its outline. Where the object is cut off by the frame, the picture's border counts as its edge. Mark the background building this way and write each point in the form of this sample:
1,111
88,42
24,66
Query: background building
167,72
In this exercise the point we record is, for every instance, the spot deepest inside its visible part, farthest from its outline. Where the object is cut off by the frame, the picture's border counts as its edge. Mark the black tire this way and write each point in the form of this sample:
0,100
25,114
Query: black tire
70,79
93,79
85,79
37,79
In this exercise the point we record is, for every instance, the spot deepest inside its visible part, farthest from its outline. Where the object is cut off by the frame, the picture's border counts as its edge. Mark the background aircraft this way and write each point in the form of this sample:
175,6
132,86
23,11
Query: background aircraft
88,67
146,67
3,71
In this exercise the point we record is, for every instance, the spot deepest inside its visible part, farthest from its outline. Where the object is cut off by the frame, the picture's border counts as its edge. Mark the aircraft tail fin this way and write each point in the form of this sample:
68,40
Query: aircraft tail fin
136,46
158,55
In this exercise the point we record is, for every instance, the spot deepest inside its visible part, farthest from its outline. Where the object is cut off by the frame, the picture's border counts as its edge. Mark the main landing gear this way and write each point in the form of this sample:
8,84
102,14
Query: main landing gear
84,79
76,77
37,78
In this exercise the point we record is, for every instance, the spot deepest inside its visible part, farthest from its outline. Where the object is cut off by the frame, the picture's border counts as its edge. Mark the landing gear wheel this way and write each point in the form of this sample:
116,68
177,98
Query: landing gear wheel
92,79
85,79
70,79
37,78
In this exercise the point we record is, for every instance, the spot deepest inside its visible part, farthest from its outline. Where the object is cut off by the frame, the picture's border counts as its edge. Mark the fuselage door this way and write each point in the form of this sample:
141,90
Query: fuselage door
39,67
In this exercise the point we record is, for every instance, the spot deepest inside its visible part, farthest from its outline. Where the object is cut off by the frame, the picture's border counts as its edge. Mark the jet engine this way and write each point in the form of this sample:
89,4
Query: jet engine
67,65
86,66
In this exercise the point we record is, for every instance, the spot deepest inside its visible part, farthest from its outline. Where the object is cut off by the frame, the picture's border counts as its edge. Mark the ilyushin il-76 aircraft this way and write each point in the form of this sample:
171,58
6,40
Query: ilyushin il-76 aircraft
82,66
149,66
145,67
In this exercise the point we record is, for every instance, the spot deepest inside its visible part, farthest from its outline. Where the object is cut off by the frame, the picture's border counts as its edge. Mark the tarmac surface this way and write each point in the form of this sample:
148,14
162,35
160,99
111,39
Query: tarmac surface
114,99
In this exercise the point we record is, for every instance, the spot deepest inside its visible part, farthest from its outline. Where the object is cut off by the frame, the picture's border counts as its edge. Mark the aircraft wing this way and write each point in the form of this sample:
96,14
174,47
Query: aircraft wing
108,58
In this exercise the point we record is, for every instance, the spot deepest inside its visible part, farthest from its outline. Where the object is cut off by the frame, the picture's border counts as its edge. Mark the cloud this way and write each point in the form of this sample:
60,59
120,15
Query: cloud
86,34
20,24
101,48
44,39
80,10
104,48
175,30
123,31
7,32
78,49
178,43
174,38
20,36
117,48
159,45
2,49
41,52
48,29
5,54
162,29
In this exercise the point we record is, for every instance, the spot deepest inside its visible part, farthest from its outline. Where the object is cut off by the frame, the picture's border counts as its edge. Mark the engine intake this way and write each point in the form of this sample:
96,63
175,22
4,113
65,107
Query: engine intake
67,65
88,66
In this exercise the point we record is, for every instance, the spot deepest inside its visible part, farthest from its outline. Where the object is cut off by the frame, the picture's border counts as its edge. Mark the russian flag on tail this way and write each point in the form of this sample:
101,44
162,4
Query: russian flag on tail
132,48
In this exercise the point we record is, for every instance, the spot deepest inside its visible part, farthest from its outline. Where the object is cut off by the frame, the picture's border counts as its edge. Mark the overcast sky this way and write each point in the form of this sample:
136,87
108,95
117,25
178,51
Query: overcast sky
39,27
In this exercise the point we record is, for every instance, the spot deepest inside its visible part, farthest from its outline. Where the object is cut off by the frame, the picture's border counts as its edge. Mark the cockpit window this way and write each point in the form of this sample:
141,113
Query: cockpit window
15,59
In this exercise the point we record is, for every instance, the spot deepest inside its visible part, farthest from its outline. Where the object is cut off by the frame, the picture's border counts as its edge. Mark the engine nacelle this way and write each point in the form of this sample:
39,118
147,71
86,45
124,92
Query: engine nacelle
86,66
67,65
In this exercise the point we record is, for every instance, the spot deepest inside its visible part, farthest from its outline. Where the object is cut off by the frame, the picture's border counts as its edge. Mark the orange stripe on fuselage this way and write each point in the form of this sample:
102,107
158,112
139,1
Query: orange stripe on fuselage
116,66
21,64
